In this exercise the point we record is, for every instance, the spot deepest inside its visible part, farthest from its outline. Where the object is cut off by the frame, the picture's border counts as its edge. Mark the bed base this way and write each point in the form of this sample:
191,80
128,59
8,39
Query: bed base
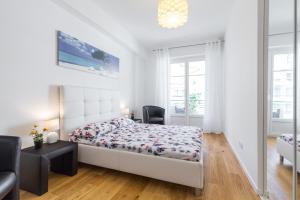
285,151
182,172
82,105
198,191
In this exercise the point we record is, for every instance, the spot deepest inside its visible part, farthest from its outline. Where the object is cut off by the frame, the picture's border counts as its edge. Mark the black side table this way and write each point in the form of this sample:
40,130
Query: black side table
60,157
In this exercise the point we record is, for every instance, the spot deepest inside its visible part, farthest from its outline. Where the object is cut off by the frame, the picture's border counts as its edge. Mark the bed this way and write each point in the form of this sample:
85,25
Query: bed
285,148
82,106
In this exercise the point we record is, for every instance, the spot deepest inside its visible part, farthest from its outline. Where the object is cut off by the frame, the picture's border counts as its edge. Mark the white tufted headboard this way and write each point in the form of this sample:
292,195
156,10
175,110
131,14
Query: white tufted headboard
82,105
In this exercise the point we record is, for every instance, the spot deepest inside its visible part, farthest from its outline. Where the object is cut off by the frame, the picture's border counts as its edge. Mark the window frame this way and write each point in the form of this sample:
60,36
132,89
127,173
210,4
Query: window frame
186,61
273,52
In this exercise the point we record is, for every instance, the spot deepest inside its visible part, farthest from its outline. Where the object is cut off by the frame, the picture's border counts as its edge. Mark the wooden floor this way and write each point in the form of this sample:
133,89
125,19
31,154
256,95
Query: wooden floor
279,175
224,180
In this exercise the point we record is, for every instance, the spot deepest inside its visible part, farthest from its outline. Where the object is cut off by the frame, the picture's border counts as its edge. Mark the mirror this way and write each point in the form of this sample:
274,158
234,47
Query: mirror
280,137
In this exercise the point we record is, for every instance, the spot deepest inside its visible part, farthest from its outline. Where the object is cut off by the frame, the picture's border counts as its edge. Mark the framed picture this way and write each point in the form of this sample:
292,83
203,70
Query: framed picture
75,54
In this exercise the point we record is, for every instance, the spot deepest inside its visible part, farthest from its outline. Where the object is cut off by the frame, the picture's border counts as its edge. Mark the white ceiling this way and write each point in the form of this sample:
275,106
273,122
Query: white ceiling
207,20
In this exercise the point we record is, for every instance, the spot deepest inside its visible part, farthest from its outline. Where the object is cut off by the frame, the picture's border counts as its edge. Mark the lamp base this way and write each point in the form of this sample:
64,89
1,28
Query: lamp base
52,137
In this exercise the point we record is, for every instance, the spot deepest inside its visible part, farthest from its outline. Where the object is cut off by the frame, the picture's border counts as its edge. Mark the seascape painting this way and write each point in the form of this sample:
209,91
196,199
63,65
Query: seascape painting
75,54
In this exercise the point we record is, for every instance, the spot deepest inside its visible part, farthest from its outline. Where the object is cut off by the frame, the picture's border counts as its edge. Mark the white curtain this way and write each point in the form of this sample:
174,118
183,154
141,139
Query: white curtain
161,80
213,116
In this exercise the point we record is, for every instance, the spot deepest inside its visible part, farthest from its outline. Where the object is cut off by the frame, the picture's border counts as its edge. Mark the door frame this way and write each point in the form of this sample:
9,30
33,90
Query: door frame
263,86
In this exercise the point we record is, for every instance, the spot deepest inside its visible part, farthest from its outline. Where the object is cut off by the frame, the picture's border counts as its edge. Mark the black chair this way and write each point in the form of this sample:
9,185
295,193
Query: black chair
10,148
153,115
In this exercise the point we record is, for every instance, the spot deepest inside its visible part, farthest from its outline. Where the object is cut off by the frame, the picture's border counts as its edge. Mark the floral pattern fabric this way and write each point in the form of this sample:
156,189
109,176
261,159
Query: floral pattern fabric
179,142
121,121
90,131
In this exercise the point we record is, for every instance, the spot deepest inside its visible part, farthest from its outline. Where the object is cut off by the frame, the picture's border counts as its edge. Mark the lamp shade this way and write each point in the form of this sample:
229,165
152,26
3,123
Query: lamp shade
172,13
125,111
52,124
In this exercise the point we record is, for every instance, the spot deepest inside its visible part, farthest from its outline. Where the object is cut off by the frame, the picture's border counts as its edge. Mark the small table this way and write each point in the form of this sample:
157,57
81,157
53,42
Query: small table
59,157
138,120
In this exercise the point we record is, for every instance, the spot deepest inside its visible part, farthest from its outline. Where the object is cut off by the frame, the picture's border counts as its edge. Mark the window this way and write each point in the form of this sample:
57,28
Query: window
187,87
196,88
282,98
177,88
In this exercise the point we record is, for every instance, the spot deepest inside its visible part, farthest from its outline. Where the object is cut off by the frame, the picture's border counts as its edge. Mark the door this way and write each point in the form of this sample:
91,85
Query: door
187,91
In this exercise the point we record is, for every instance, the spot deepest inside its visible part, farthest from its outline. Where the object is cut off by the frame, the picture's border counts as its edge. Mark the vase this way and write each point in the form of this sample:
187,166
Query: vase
38,144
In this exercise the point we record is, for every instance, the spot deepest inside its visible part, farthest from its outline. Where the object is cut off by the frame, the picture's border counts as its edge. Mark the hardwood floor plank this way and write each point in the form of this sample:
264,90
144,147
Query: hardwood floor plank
78,189
224,180
156,190
132,189
109,187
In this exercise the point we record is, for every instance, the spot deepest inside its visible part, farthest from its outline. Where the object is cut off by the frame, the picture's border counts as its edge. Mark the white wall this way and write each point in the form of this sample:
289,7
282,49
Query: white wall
29,75
241,86
139,87
91,13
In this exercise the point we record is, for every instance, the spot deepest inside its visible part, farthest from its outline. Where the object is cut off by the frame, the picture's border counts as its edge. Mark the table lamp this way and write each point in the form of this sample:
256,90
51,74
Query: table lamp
53,127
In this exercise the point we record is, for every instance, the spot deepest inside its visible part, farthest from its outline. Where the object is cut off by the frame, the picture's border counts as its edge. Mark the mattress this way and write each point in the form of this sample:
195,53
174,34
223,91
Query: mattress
289,138
178,142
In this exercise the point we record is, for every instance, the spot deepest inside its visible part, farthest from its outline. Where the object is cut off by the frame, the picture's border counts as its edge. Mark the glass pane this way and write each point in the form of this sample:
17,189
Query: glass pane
196,94
177,91
196,107
282,110
283,77
282,87
280,120
177,107
280,105
197,68
283,62
177,69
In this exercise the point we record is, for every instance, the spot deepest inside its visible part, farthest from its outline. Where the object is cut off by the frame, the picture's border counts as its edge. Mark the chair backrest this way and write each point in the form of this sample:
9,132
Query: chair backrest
152,111
10,150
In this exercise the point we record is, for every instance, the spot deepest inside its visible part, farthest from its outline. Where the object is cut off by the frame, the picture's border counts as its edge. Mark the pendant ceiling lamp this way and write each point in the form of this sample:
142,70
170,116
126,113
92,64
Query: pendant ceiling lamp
172,13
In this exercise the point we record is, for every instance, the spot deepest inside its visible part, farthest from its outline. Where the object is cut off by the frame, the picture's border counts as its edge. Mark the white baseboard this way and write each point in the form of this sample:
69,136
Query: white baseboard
252,183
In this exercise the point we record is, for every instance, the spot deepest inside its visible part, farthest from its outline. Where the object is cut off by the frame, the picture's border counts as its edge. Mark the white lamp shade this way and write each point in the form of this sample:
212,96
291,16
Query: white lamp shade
52,125
172,13
125,111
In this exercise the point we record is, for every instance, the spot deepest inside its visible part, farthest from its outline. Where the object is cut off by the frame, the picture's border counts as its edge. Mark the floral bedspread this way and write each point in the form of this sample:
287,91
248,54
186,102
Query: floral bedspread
179,142
289,138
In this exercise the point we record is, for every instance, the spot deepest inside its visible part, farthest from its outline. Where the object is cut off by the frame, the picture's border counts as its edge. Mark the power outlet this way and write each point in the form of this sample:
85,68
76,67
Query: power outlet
241,145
